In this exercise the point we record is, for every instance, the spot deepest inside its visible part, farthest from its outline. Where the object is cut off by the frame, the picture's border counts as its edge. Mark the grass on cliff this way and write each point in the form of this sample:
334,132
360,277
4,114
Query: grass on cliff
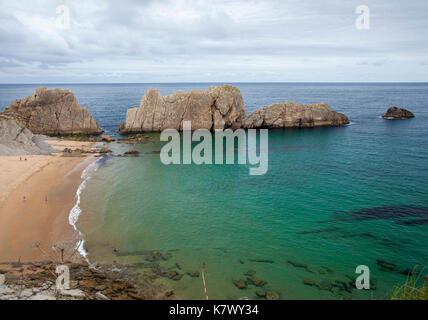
415,288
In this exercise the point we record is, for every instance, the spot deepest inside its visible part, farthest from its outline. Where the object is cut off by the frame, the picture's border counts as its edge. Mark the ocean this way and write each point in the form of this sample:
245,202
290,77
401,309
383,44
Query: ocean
333,198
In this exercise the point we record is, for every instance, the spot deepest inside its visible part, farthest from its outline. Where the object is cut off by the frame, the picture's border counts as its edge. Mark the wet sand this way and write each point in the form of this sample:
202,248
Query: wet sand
36,197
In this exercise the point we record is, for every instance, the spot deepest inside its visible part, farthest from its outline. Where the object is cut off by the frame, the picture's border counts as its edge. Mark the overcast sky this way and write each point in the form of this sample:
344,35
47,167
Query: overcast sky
211,41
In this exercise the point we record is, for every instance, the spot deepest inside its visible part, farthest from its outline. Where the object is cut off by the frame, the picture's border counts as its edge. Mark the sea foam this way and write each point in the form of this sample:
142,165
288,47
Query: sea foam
76,210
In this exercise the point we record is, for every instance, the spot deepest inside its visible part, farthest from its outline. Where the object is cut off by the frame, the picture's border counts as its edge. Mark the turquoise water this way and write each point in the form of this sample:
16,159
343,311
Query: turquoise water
333,199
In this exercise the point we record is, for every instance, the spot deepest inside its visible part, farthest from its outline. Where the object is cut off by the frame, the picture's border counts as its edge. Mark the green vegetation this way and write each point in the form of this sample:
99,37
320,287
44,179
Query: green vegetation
415,288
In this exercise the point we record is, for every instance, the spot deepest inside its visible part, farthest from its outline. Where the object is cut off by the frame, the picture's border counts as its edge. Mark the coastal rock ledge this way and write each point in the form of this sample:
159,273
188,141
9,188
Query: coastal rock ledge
53,112
216,108
294,115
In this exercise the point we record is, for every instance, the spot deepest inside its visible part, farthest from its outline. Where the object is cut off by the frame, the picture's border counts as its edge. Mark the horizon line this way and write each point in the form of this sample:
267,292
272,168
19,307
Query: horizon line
224,82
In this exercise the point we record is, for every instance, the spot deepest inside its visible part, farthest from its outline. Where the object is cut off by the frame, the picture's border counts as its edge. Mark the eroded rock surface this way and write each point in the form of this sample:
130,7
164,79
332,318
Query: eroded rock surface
16,140
398,113
216,108
53,112
294,115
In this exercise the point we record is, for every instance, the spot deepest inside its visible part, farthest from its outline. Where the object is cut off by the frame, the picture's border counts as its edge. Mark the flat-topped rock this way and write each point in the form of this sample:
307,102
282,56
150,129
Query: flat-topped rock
53,112
398,113
216,108
294,115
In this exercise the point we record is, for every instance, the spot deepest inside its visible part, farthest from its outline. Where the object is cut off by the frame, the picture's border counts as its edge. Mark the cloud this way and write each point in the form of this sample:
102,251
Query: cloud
226,41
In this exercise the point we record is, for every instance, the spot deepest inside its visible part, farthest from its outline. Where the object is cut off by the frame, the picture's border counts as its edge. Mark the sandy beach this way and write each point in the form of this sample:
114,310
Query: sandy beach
36,195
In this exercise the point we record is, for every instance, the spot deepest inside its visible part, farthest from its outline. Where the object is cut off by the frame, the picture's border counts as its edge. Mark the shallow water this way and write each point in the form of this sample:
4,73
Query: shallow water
333,197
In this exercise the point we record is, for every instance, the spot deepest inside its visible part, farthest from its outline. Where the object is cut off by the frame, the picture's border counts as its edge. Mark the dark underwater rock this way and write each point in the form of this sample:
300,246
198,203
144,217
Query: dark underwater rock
272,295
310,283
250,273
386,265
262,260
257,282
240,284
193,274
299,265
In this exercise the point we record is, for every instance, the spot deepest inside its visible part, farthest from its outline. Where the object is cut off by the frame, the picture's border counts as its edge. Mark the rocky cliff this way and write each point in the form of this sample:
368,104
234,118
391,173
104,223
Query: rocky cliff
222,108
53,112
216,108
16,140
294,115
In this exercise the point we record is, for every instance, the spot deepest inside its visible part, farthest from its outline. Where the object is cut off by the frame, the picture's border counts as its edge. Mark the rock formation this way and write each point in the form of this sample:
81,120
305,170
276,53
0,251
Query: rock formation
16,140
397,113
216,108
222,108
294,115
53,112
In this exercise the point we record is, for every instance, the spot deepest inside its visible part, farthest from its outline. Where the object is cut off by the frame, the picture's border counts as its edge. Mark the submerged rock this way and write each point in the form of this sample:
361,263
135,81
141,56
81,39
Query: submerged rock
398,113
386,265
261,294
262,260
310,283
216,108
250,273
300,265
294,115
240,284
193,274
53,112
257,282
272,295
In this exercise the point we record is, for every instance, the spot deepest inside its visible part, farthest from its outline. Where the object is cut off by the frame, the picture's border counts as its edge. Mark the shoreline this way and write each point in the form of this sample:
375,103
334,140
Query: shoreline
37,196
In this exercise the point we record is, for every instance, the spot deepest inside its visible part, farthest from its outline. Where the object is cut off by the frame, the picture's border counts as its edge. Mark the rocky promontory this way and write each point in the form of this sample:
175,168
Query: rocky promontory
53,112
294,115
398,113
16,140
221,108
216,108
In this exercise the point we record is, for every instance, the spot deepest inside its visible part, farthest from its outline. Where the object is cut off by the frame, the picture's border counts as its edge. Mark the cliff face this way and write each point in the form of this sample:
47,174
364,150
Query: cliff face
216,108
294,115
16,140
53,112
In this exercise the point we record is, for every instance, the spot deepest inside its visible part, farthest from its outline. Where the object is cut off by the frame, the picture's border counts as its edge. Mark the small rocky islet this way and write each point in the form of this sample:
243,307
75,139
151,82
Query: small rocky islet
398,113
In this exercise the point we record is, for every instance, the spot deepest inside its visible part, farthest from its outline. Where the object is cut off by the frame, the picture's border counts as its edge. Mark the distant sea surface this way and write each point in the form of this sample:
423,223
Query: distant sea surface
333,198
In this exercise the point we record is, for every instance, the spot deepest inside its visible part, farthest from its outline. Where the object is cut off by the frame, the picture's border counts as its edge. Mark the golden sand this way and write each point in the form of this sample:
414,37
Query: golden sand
36,196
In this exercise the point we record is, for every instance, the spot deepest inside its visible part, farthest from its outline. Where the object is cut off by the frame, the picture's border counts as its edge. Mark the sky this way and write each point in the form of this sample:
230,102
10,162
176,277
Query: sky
112,41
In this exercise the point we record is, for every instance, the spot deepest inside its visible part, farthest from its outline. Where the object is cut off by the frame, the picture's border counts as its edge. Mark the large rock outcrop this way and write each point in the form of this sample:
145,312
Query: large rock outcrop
398,113
16,140
294,115
53,112
216,108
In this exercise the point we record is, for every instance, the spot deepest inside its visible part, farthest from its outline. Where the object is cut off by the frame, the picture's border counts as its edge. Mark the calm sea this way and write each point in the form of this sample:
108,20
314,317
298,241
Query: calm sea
333,198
